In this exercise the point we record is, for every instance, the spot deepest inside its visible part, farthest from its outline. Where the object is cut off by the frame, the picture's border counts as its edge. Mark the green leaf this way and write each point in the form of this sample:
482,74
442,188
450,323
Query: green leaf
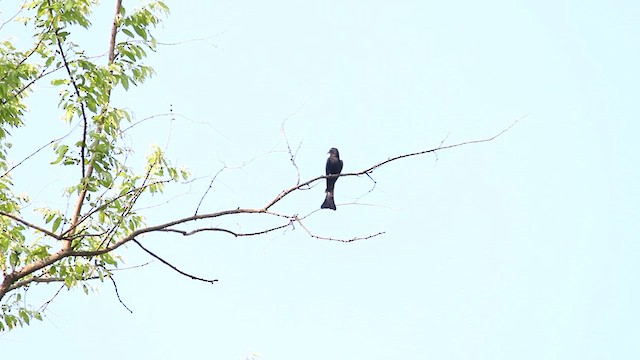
125,82
10,320
24,316
91,104
140,31
56,224
61,151
14,260
128,32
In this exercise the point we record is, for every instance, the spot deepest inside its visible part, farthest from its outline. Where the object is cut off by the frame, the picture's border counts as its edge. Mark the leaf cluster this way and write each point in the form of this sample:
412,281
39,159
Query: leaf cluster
58,246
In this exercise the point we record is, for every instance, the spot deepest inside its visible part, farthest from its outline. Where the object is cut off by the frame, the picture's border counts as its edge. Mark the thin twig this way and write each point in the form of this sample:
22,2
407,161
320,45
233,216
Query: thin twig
236,234
292,155
127,209
85,128
110,201
35,152
115,287
205,40
172,266
208,188
14,15
336,239
130,267
44,306
42,74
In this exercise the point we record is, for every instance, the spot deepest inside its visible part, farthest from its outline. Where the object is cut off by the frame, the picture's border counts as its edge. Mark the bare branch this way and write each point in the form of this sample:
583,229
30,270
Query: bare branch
335,239
115,287
445,138
130,267
208,188
35,152
236,234
205,40
172,116
372,168
14,15
173,267
437,149
138,122
44,306
292,155
441,143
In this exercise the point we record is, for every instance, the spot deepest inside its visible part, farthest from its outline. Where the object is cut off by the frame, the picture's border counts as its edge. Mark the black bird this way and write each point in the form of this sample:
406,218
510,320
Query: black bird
334,167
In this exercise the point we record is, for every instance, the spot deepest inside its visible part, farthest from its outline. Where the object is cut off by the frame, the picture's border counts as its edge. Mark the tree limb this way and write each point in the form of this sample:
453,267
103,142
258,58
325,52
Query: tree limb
16,275
395,158
89,170
30,225
172,266
236,234
356,238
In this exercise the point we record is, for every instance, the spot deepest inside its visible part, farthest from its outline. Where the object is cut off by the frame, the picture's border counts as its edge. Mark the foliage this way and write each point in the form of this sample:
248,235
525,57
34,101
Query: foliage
74,248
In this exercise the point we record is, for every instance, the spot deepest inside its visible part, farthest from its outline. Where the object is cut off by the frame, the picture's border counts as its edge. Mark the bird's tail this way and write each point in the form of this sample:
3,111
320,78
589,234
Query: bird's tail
328,202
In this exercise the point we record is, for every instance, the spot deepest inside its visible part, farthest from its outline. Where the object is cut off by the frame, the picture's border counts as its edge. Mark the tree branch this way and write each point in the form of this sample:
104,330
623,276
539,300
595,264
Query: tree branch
335,239
89,170
115,287
395,158
44,306
208,188
45,280
236,234
35,152
30,225
114,32
77,91
292,155
11,279
171,266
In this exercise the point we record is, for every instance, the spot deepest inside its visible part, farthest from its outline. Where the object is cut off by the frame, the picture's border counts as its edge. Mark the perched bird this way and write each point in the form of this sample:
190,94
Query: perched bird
334,167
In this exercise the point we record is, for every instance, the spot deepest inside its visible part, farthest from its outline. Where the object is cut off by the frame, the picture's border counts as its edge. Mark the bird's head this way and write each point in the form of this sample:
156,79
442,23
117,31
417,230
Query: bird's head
334,151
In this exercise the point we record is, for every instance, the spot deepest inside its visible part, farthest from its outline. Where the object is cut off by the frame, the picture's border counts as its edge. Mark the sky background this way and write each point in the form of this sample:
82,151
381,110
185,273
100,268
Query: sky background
520,248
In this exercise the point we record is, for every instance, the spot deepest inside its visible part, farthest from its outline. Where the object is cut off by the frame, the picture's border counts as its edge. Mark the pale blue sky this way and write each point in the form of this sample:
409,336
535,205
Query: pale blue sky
522,248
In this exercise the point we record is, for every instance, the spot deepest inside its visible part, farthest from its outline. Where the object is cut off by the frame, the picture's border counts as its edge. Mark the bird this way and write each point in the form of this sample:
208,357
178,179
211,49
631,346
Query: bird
334,167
